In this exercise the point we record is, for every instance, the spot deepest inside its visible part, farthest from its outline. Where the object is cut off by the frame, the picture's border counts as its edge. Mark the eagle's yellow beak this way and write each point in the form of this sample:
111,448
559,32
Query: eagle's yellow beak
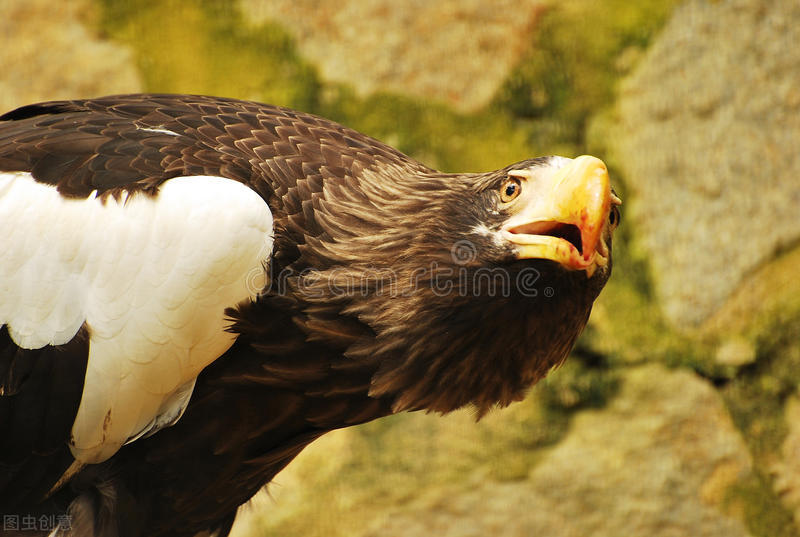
564,214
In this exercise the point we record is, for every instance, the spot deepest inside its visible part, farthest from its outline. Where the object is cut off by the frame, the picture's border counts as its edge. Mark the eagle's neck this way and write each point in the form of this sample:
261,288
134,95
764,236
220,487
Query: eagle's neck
426,350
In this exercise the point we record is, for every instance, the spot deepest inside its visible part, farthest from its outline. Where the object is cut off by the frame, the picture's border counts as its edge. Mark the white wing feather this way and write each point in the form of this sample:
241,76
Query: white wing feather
151,278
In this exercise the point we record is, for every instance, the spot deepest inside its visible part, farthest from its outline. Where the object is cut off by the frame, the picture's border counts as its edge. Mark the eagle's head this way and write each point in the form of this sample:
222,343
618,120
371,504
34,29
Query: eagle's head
459,288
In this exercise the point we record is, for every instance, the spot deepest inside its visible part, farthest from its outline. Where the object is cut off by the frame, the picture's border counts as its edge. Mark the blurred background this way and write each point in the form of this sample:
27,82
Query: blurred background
678,413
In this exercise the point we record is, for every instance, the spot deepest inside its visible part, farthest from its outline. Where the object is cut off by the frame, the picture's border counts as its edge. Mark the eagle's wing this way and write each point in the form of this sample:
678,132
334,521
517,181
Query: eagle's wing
117,264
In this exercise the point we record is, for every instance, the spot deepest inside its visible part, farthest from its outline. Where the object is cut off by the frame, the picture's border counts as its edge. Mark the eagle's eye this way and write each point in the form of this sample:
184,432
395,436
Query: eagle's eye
613,217
510,190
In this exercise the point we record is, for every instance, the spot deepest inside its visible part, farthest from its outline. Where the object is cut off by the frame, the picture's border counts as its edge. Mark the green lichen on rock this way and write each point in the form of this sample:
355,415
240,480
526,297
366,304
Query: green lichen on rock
762,510
206,48
579,52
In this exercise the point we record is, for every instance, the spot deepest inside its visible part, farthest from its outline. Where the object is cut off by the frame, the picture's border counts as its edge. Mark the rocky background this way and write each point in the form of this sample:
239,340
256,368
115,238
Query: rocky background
678,413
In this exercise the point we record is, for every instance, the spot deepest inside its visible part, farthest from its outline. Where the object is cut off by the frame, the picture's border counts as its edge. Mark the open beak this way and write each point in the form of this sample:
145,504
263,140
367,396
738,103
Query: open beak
566,218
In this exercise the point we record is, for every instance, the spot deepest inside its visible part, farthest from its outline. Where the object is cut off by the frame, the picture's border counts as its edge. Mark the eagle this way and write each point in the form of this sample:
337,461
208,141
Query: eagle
193,289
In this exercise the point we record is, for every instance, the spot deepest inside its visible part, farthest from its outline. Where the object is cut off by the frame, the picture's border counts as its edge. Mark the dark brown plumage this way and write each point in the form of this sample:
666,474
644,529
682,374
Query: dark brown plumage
390,290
